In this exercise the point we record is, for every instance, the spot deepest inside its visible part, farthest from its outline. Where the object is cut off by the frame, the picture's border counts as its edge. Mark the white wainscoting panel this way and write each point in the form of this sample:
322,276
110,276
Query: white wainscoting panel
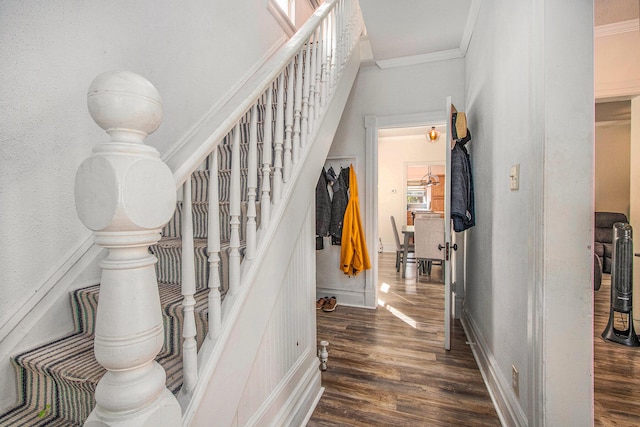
286,366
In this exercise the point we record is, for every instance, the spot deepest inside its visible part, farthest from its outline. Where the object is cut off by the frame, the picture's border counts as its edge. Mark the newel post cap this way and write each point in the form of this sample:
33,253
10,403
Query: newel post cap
125,104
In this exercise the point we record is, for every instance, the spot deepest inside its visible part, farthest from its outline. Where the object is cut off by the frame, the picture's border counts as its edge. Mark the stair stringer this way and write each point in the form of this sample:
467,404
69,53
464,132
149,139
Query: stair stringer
227,363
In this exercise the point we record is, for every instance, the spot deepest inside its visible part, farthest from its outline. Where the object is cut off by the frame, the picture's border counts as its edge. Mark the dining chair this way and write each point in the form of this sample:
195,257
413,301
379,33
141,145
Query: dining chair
399,245
429,233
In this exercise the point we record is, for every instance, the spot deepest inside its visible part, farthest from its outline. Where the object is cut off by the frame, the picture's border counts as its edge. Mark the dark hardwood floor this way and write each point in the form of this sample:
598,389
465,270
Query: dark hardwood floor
616,370
389,367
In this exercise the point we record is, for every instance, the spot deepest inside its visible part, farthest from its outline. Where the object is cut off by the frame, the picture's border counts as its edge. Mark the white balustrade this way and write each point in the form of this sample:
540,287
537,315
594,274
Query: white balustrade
214,298
323,74
288,122
234,209
265,200
252,183
304,126
318,59
297,109
189,344
278,141
125,194
312,81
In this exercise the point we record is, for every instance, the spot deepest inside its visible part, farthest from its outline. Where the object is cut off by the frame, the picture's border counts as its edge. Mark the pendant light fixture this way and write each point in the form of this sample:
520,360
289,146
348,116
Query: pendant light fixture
433,134
429,179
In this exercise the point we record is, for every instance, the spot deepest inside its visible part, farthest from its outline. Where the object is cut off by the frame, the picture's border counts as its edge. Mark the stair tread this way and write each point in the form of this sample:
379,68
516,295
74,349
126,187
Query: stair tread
70,360
27,416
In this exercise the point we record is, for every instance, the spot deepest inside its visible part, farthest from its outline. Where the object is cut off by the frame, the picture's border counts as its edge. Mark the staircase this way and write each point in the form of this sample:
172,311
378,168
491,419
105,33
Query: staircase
237,326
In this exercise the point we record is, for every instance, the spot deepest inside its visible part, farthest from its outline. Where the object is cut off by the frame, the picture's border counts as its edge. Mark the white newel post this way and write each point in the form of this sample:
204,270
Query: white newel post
125,194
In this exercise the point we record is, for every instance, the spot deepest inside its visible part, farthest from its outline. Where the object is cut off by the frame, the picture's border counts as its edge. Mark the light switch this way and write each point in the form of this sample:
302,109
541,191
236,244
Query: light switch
514,177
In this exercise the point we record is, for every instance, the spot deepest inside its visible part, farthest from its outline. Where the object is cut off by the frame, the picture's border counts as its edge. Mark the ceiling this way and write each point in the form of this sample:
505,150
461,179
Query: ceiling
407,32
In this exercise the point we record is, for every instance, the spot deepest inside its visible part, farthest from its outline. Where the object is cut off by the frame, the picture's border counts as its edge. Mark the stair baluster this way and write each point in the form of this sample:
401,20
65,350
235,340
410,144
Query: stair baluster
234,209
288,121
189,346
213,250
252,183
297,109
265,200
318,58
323,74
312,81
278,140
304,127
332,51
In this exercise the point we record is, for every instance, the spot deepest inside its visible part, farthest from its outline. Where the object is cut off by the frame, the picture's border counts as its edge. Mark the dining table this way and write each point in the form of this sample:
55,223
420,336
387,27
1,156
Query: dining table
408,231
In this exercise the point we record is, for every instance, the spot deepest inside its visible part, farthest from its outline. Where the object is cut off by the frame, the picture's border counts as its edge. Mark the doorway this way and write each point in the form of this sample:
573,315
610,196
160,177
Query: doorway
374,124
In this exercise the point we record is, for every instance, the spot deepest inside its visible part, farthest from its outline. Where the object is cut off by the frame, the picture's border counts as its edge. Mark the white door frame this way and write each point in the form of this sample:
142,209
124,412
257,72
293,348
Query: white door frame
372,124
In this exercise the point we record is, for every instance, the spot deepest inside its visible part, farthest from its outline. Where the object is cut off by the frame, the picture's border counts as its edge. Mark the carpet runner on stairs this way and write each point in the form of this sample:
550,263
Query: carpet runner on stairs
57,380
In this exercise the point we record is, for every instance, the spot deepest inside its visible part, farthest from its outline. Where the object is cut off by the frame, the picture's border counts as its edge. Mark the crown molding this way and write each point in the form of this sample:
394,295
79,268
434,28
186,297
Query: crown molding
624,90
472,17
404,61
612,123
443,55
617,28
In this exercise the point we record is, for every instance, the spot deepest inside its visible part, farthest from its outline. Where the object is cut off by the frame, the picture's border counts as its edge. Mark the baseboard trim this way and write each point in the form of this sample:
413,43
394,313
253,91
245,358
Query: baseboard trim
346,297
55,286
295,398
504,400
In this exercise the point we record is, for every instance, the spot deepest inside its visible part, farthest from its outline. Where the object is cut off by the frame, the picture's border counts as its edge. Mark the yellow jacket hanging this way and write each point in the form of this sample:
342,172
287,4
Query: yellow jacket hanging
354,256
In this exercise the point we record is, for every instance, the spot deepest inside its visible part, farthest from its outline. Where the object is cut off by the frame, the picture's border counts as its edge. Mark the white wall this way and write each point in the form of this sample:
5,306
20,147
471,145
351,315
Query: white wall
394,91
394,153
530,102
617,65
194,53
612,168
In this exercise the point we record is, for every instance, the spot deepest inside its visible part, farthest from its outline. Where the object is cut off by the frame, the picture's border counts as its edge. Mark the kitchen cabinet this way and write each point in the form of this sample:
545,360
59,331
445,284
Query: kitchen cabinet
437,196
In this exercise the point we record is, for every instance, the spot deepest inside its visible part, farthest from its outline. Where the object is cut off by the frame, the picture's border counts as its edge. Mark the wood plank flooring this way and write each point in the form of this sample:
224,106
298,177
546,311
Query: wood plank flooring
616,370
389,367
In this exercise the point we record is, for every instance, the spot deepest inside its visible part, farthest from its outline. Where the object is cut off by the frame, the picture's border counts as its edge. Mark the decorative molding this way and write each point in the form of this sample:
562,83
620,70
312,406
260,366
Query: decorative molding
372,123
472,17
612,123
622,90
443,55
281,17
403,61
617,28
504,400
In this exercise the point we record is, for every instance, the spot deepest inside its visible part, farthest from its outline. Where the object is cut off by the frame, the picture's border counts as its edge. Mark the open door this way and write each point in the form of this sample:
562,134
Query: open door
448,247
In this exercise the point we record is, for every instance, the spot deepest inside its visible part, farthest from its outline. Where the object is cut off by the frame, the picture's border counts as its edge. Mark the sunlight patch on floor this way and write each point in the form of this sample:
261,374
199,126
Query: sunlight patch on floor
400,315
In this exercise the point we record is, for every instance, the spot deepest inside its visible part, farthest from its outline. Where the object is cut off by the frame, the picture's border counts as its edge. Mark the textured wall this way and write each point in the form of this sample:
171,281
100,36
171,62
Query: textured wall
529,270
